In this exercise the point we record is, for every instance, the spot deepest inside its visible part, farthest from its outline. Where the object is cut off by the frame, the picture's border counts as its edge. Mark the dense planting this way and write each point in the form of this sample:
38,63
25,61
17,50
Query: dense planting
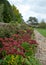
9,13
18,48
17,42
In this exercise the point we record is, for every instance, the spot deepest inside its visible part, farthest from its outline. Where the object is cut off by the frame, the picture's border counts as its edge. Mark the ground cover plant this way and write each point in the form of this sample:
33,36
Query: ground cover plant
18,48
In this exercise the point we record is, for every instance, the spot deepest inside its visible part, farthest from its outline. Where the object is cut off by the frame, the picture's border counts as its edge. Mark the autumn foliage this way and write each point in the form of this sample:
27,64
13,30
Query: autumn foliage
13,45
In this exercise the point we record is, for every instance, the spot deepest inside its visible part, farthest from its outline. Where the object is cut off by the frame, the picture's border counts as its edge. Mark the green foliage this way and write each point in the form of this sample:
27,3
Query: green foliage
9,60
31,61
1,44
7,30
33,20
42,24
9,13
4,32
15,59
25,45
31,49
12,60
34,61
3,53
1,61
27,62
19,60
17,15
1,12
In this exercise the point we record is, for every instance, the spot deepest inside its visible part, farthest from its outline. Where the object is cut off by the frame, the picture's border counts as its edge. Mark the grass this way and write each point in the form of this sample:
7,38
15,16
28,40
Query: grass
42,31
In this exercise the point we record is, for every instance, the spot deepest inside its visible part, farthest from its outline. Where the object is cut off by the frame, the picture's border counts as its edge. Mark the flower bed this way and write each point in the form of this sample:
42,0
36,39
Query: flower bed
18,49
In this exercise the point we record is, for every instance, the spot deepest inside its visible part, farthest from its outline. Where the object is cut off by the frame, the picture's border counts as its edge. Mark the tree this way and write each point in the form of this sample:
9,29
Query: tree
42,24
33,21
1,12
17,14
10,13
7,11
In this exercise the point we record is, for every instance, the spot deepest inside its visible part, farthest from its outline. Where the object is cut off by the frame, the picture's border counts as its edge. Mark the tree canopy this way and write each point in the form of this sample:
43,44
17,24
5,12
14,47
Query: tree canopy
9,13
33,20
17,14
1,12
42,24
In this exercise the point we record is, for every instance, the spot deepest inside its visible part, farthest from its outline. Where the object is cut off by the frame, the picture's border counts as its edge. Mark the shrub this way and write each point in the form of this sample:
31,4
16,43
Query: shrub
19,60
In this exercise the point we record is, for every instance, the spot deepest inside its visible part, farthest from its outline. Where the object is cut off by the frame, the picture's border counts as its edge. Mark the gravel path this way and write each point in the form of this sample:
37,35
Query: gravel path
41,52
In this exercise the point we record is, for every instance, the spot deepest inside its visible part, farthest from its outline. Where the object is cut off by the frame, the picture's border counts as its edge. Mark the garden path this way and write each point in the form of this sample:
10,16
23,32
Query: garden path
41,51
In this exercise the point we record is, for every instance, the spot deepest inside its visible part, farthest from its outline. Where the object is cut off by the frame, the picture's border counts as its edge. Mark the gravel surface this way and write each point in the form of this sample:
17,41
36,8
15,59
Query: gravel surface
41,51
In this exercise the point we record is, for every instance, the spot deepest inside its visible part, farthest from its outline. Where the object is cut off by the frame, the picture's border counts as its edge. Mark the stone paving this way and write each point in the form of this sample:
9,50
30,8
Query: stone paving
41,51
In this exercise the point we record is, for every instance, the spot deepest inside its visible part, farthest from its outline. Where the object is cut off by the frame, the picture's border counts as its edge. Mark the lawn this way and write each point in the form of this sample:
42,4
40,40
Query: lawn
42,31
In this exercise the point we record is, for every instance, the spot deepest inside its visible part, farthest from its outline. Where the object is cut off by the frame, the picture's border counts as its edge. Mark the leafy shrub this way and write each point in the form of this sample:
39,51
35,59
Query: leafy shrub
9,60
12,60
19,60
23,43
1,45
6,30
17,44
34,61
